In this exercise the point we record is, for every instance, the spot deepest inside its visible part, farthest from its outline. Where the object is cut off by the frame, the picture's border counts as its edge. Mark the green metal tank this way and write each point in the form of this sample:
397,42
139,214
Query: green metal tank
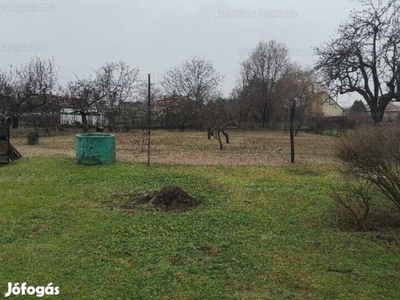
95,148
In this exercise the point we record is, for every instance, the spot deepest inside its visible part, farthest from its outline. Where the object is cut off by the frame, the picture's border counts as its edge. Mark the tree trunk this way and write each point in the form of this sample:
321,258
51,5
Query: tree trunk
209,133
85,127
377,114
226,136
298,128
15,121
219,140
264,104
35,123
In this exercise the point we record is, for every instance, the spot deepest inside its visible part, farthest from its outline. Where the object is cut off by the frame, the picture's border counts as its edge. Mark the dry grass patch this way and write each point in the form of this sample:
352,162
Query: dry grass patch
246,148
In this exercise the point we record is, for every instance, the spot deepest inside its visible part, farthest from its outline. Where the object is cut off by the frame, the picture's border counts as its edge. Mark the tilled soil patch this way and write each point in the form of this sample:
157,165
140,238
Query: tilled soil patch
168,199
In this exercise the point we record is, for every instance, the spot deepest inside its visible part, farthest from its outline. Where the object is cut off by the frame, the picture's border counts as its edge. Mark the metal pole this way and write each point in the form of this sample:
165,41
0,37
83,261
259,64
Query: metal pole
149,123
292,110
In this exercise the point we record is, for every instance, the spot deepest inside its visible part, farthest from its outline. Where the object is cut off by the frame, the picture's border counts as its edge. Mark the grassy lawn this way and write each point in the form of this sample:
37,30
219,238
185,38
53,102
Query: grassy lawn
263,233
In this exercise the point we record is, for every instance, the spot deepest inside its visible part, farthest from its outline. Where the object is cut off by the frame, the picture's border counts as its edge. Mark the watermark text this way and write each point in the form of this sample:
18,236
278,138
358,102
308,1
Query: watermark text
23,47
256,13
40,291
25,7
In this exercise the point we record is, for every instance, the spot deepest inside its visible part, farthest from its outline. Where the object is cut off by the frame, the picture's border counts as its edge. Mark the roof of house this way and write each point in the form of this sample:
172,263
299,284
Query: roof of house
167,102
161,103
392,107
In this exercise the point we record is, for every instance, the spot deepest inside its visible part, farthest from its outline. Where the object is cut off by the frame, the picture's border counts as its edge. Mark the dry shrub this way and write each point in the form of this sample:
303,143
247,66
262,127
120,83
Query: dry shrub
382,216
354,201
139,139
371,159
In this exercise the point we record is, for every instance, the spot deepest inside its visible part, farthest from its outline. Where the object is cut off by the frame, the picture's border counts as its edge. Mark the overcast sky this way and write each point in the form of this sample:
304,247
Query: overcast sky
154,35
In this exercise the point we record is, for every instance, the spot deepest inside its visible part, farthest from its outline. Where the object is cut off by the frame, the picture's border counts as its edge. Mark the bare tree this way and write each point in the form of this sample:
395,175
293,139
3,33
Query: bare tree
245,99
28,87
196,82
155,94
119,83
12,95
301,84
264,69
364,58
216,118
113,85
6,92
84,97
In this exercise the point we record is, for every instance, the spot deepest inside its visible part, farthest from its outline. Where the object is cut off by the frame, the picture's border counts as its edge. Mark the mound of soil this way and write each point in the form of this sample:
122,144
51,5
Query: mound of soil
169,198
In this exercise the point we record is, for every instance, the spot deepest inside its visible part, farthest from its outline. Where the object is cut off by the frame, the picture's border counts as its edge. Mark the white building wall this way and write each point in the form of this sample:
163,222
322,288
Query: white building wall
69,117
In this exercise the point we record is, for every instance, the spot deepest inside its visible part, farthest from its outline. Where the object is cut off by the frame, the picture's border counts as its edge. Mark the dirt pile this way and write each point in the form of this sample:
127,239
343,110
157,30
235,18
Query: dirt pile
169,198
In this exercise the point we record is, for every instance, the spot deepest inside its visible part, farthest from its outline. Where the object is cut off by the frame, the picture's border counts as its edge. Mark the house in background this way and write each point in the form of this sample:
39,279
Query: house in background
161,105
166,112
69,116
323,104
392,112
130,114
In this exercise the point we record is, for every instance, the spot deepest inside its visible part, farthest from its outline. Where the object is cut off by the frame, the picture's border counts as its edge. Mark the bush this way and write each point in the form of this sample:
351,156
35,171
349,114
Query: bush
354,199
372,155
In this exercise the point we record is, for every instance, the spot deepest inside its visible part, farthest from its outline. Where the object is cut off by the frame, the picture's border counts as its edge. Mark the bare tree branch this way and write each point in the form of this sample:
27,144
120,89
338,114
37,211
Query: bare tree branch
195,82
364,58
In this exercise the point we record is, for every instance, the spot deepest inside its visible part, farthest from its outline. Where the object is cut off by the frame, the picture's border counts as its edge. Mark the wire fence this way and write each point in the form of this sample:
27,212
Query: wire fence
332,126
